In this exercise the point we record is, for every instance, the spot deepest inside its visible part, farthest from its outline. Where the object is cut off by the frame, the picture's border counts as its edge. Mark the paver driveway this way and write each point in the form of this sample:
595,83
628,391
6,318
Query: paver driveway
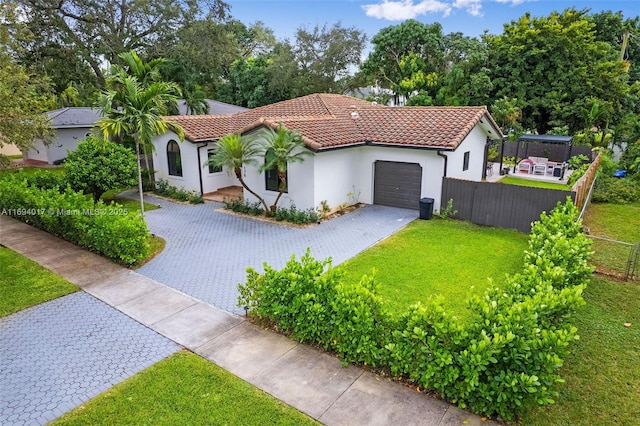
208,251
59,354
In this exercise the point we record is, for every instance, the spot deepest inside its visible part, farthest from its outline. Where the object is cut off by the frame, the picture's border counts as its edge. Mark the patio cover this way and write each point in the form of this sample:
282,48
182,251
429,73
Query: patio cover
553,139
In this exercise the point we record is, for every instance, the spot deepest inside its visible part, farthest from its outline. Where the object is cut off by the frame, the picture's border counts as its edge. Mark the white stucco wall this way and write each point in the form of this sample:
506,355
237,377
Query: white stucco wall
190,179
300,180
474,143
63,141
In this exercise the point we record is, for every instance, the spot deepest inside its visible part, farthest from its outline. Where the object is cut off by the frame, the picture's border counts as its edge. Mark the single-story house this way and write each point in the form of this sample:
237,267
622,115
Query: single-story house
363,153
71,125
74,124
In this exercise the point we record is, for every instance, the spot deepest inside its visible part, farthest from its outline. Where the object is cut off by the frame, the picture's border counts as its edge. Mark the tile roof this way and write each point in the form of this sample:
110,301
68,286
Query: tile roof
329,121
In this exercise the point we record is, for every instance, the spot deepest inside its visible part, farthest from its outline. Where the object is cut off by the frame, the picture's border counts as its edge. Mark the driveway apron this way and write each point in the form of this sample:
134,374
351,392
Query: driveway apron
58,355
208,250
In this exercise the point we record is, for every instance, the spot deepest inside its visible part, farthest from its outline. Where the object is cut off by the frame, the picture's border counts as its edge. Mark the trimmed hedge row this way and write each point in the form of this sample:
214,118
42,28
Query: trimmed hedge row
509,353
106,229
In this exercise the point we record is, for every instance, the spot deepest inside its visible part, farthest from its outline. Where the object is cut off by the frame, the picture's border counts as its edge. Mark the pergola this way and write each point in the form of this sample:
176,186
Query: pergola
547,139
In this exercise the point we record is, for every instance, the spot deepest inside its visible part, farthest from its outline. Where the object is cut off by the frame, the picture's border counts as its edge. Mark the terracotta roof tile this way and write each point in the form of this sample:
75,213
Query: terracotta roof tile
328,121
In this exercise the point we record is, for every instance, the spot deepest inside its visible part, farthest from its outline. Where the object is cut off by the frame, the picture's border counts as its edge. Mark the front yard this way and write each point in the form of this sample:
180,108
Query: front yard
446,258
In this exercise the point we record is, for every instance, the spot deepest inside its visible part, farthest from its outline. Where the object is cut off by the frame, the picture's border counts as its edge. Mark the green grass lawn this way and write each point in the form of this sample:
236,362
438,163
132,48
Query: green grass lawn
24,283
447,258
184,389
534,183
618,222
602,373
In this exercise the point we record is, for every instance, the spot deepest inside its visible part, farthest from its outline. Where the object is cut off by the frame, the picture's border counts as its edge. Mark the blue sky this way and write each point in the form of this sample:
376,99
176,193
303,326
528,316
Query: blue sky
470,17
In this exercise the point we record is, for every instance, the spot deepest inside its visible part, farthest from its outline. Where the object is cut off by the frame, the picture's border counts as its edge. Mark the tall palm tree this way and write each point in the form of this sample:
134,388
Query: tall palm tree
134,109
233,151
281,148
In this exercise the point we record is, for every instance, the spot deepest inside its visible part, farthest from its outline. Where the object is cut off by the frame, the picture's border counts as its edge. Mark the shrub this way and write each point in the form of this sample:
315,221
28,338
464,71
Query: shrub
240,206
506,357
299,217
73,216
609,189
163,189
96,167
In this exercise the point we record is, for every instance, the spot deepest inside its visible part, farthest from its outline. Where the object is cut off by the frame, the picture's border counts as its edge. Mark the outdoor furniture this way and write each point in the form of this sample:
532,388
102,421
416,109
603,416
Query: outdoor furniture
525,166
540,169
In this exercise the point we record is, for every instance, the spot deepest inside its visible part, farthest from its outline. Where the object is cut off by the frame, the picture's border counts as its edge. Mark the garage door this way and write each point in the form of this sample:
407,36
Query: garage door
397,184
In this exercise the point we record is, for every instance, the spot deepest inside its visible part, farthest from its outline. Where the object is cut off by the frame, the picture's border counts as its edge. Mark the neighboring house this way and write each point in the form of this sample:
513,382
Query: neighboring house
367,153
215,107
72,125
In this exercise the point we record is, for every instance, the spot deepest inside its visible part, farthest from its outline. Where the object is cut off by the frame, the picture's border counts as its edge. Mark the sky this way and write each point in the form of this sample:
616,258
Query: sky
471,17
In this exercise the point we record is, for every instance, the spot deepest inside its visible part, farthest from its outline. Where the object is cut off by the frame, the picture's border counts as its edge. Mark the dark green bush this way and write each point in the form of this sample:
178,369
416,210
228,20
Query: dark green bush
609,189
506,357
73,216
163,189
96,167
244,207
299,217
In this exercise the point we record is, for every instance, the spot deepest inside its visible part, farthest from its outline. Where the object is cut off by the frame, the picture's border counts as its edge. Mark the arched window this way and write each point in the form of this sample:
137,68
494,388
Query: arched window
173,157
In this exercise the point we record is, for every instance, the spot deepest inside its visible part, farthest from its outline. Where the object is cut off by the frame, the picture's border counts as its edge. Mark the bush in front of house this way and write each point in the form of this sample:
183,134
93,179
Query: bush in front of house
108,230
96,167
163,189
289,214
507,356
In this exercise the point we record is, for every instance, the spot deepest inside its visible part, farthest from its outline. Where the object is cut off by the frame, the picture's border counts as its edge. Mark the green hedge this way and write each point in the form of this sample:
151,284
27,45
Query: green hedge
107,229
507,356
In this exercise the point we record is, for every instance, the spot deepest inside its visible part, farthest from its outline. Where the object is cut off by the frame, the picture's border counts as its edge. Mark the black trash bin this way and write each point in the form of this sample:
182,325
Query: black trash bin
426,208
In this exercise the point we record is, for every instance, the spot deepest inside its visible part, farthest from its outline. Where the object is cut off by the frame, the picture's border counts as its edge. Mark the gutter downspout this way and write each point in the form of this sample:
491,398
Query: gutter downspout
440,154
200,167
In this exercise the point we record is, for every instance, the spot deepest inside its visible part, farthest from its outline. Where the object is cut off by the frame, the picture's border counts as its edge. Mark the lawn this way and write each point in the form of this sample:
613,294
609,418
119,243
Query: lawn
618,222
447,258
184,389
602,373
534,183
24,283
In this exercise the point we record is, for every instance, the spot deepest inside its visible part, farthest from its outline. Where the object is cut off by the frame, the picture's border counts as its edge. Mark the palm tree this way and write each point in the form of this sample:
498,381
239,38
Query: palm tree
233,151
281,148
134,109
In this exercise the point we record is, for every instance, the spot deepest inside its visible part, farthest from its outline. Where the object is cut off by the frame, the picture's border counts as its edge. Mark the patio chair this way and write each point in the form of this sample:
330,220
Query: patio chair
524,166
540,169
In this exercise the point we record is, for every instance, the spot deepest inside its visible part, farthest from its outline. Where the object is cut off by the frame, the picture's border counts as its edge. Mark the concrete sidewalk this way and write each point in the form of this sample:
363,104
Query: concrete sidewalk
312,381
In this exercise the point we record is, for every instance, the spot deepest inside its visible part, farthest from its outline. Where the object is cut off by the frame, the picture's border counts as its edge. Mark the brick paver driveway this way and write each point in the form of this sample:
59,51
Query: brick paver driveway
208,251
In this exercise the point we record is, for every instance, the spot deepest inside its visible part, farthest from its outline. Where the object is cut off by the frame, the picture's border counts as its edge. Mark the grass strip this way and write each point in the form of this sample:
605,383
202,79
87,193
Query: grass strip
184,389
24,283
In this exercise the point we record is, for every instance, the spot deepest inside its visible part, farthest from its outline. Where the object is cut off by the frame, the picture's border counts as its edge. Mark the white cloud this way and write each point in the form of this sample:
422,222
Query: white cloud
512,2
406,9
473,7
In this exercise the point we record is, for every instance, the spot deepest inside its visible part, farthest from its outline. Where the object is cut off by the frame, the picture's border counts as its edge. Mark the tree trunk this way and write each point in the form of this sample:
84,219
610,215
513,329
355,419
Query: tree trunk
238,172
282,177
140,180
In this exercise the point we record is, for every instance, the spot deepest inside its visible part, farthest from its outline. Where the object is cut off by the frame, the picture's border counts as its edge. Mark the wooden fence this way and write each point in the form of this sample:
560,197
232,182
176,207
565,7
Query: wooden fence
582,185
500,205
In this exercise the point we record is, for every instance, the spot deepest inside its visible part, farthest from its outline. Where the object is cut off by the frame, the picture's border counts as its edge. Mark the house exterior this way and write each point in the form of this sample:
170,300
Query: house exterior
362,152
74,124
71,125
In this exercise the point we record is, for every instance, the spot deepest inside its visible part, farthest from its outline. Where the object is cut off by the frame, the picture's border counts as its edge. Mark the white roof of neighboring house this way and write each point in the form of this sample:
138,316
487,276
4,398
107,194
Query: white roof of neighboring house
215,107
78,117
73,117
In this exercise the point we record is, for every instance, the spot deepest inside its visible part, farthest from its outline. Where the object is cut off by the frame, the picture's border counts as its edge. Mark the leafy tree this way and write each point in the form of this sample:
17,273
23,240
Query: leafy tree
104,29
234,151
97,167
132,109
412,53
553,65
507,114
325,56
610,27
24,97
281,148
